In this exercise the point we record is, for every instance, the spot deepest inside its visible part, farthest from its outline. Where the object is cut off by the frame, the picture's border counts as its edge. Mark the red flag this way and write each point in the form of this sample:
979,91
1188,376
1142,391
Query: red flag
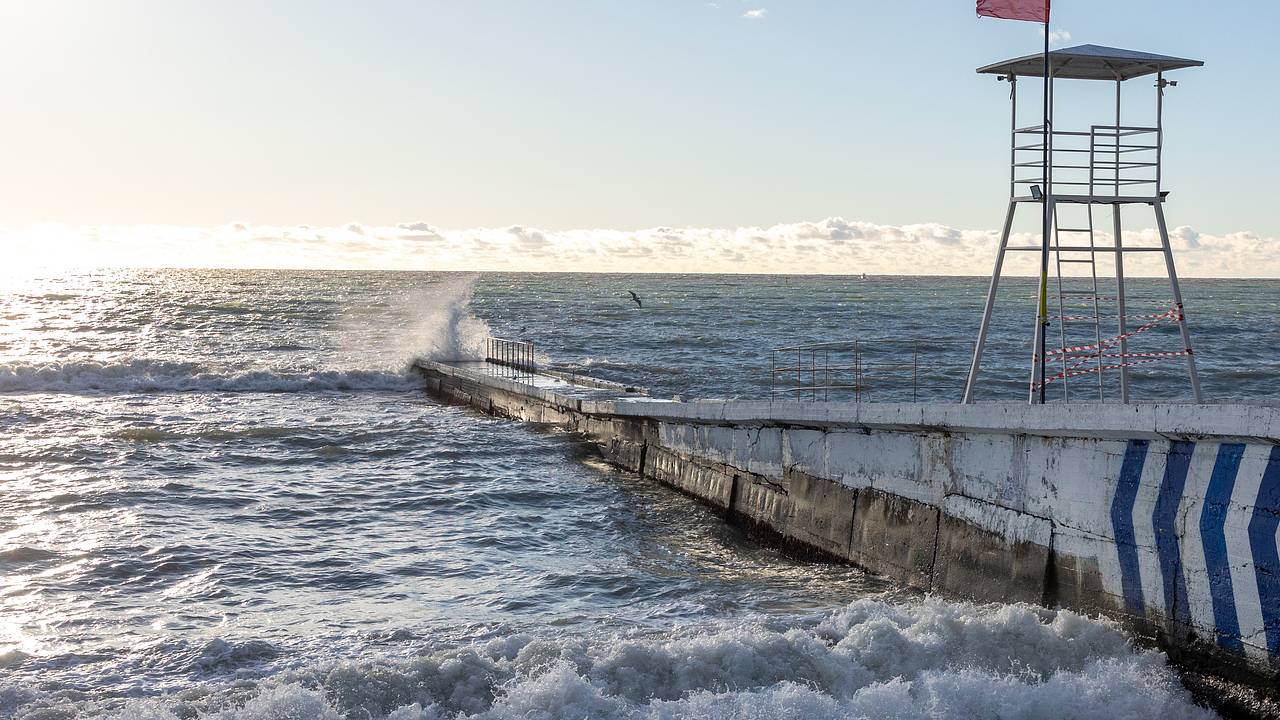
1033,10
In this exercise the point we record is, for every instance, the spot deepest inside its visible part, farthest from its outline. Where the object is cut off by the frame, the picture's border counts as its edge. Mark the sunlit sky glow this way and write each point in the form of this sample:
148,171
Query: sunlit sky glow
672,135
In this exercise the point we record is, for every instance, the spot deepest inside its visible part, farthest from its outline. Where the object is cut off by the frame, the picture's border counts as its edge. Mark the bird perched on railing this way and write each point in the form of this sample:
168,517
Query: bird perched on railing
636,298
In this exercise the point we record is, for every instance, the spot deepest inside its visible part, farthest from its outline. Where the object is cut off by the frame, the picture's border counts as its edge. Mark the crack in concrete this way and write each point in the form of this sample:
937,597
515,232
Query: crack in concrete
1002,507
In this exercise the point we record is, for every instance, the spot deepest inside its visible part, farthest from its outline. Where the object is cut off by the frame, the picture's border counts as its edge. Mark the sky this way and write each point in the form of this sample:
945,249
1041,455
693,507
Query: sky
624,134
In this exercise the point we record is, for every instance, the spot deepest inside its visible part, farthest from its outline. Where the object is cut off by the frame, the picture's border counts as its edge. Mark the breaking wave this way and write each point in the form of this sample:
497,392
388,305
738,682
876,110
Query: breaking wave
155,376
871,659
432,323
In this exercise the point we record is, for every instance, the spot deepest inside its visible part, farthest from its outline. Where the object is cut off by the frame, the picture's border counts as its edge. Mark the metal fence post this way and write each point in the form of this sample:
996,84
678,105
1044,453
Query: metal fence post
861,365
799,377
915,371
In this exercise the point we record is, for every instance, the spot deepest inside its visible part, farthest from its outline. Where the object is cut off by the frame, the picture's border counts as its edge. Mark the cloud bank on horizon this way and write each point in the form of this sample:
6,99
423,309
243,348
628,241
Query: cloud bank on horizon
831,246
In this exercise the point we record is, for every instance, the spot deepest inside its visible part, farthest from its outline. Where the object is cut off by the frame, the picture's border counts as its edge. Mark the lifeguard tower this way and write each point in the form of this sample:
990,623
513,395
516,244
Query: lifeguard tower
1072,177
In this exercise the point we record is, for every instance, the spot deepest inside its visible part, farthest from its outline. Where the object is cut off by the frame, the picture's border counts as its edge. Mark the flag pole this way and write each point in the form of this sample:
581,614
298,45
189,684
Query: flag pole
1041,349
1030,10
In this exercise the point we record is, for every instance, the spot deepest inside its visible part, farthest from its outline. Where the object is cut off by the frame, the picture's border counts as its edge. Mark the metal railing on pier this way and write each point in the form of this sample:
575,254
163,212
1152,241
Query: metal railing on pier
514,354
882,370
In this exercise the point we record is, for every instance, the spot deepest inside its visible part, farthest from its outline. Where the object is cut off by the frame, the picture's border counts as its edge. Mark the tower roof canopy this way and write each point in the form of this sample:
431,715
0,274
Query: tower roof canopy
1091,62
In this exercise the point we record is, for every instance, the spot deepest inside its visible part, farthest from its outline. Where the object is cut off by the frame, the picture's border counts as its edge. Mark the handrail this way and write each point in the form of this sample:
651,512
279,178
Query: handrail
1135,130
847,344
854,370
516,354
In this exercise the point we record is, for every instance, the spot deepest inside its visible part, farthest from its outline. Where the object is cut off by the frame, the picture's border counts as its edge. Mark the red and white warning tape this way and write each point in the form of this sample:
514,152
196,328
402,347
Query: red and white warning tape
1077,357
1174,314
1105,317
1095,356
1077,373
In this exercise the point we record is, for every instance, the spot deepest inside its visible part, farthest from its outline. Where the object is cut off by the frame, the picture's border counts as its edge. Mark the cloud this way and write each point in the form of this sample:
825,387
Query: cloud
755,14
1184,238
418,232
1056,36
834,245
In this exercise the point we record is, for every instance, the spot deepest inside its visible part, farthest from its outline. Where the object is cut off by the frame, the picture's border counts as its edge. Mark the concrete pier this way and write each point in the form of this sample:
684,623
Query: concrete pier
1162,516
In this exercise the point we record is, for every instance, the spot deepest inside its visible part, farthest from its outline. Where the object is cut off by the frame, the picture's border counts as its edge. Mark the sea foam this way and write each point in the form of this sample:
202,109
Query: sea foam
871,659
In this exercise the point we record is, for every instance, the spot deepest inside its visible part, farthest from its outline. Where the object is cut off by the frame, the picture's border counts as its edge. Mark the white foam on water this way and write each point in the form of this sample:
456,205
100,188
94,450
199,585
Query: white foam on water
871,659
155,375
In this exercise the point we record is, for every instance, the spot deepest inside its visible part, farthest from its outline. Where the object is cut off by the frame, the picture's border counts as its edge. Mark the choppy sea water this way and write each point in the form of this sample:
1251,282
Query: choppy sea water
223,495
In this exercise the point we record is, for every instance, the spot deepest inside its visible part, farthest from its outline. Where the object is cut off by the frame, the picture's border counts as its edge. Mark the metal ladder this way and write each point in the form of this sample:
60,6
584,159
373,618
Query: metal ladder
1078,254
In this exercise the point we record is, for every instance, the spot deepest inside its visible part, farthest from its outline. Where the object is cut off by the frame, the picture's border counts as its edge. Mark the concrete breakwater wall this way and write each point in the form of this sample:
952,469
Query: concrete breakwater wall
1165,516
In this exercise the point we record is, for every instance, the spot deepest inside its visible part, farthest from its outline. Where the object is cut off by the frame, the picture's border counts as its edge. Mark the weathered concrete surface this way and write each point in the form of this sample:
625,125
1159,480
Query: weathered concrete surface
895,536
820,515
989,552
709,481
1164,516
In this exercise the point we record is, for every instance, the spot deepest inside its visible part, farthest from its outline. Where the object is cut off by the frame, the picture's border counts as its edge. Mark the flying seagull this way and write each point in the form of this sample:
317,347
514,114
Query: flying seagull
636,298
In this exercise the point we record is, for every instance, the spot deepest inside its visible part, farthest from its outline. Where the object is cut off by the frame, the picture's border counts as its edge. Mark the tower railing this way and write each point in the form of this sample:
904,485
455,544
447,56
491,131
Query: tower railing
1110,160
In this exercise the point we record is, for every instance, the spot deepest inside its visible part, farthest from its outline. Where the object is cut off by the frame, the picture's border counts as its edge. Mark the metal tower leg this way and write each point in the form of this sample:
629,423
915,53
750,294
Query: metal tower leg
1121,328
991,302
1177,299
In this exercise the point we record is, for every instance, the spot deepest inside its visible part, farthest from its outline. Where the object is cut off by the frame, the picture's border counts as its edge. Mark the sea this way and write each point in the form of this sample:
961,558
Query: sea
225,494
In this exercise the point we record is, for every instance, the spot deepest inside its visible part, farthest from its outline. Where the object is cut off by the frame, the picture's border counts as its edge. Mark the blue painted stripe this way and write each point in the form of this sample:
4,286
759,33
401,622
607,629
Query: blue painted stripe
1213,534
1135,456
1262,541
1163,521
